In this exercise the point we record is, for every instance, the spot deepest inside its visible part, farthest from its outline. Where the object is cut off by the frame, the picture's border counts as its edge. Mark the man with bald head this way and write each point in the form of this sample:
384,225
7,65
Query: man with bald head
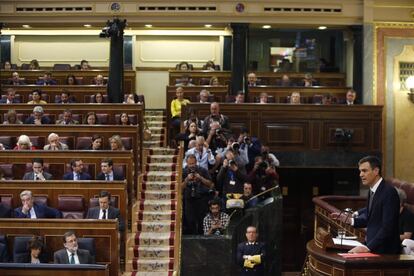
15,79
215,116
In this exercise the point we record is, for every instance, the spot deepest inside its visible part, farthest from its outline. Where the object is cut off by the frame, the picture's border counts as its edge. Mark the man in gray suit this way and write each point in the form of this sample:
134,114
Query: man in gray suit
105,211
37,172
71,254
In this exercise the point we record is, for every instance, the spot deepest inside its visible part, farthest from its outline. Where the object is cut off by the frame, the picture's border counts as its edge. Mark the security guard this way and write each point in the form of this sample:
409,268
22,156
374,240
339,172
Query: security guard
251,254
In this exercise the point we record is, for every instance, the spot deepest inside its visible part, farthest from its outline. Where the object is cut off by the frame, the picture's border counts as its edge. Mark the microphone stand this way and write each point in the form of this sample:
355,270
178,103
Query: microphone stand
347,211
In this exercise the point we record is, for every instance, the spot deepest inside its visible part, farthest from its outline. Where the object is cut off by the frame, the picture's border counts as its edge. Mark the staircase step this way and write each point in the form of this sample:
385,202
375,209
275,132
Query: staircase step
157,195
150,144
155,215
163,151
155,226
157,205
153,112
157,130
159,176
157,167
151,252
161,159
158,185
152,265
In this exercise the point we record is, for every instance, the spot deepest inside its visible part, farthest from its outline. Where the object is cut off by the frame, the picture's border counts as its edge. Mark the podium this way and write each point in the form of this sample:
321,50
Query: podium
328,262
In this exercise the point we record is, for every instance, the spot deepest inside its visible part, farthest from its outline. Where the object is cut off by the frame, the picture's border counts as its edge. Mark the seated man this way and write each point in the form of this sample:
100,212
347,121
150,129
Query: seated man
37,172
247,196
37,117
215,222
350,97
54,143
252,79
105,211
203,154
215,116
67,119
37,97
239,98
263,98
84,65
5,211
32,210
107,172
15,80
185,80
46,80
71,254
77,171
10,97
309,81
4,256
285,81
65,97
99,80
295,98
204,96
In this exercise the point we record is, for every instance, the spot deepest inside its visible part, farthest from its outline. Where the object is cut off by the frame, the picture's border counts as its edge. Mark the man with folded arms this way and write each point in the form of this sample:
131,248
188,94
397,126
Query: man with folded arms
37,172
251,254
32,210
71,254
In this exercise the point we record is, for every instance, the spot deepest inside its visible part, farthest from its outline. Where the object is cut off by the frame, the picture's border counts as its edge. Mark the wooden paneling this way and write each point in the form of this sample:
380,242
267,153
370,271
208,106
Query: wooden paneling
325,79
104,232
11,269
31,76
224,77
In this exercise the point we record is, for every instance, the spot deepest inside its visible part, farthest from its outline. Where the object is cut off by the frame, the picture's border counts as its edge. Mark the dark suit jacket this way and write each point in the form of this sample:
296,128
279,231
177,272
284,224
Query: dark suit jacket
61,257
381,221
30,121
83,176
101,176
4,256
19,82
30,176
42,211
26,258
5,211
113,213
255,249
43,82
4,100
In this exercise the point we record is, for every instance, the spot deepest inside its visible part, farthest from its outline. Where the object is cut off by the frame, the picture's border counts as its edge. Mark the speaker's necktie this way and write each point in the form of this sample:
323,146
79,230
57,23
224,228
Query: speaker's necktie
72,259
107,177
371,197
103,214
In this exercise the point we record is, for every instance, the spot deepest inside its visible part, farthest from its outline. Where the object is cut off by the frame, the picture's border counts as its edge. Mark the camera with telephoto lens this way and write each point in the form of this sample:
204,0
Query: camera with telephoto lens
232,162
235,146
246,139
219,131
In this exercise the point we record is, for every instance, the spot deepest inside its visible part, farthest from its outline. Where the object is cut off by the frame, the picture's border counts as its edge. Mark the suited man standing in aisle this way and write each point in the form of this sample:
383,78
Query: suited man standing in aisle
71,254
105,211
251,254
381,214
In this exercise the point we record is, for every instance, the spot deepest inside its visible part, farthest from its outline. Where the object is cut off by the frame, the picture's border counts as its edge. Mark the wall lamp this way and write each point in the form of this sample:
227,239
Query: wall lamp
409,83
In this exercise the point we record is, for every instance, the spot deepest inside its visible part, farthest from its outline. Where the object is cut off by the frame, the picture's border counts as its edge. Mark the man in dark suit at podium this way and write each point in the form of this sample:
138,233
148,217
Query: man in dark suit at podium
251,254
381,214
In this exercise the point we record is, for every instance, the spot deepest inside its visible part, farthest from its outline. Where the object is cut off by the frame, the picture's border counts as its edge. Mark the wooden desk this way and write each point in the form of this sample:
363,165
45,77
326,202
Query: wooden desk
324,263
13,269
105,233
32,76
328,79
224,77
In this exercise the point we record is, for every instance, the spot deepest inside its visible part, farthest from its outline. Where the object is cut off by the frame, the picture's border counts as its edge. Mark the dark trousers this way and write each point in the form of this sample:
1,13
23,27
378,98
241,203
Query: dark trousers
195,209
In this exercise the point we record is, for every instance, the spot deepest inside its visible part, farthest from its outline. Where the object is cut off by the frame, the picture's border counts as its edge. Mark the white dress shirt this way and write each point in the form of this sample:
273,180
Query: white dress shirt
75,256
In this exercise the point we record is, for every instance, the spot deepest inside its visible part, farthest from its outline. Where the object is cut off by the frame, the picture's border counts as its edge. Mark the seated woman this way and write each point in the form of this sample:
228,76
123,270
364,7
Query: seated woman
131,99
23,143
190,134
295,98
98,98
7,65
214,81
99,80
115,143
309,81
97,143
124,120
183,66
90,119
35,253
71,80
12,118
209,66
34,65
37,97
176,105
193,117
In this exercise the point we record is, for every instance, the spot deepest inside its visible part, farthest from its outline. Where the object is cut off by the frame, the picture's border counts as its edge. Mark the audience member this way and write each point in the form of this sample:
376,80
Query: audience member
185,80
284,81
176,106
215,116
230,179
115,143
31,209
132,99
91,119
215,222
183,66
71,80
7,65
350,97
191,132
309,81
327,99
263,176
97,143
124,120
251,254
65,97
249,200
196,191
46,80
406,220
99,80
252,145
193,117
15,79
263,98
77,172
203,154
38,117
252,79
107,173
35,252
269,157
37,97
210,66
67,119
98,98
84,65
214,81
10,97
37,173
71,254
4,256
204,96
54,143
295,98
12,118
34,65
23,143
5,211
105,210
239,98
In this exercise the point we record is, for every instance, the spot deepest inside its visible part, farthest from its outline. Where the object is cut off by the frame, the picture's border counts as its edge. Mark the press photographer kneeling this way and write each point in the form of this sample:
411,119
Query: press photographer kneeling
197,187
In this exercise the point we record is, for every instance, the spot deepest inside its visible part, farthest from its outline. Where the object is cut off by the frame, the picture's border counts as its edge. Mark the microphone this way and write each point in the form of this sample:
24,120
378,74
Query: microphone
348,212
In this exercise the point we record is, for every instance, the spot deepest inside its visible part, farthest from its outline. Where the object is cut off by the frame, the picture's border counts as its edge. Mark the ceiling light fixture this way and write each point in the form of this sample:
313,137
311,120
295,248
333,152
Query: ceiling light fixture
322,27
208,25
87,25
266,26
26,26
148,25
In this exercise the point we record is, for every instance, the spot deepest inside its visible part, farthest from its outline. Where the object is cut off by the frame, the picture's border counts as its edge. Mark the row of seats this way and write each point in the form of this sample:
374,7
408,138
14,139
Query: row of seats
20,245
77,143
56,66
71,206
17,171
102,118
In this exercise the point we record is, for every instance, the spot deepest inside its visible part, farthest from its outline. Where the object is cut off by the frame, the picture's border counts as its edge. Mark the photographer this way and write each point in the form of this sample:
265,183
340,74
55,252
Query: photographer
269,157
202,153
230,179
215,222
197,187
263,176
252,145
215,116
239,154
216,138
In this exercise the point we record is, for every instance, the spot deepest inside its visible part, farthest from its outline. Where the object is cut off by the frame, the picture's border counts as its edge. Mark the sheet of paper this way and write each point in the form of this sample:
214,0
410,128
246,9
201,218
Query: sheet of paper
358,255
345,242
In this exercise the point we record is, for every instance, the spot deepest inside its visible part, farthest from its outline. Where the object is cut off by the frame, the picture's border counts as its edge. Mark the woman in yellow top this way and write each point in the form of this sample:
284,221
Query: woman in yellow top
37,97
176,105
